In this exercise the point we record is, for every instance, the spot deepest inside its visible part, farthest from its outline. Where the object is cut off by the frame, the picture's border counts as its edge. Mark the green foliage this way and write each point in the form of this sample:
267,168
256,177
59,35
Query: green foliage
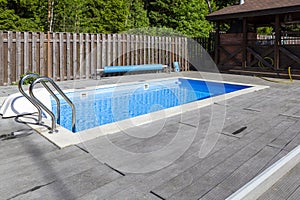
184,16
106,16
137,15
264,30
67,15
154,31
224,3
22,15
8,19
29,80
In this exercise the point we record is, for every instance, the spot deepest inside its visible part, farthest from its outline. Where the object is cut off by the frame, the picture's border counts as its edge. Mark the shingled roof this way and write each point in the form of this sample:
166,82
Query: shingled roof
254,8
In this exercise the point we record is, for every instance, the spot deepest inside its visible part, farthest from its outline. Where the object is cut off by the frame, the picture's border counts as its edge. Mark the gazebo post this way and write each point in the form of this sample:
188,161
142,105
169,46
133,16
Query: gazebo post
277,42
244,43
217,42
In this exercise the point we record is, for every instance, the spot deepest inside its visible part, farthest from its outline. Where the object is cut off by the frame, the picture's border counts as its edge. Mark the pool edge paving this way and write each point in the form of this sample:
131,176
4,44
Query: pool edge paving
260,130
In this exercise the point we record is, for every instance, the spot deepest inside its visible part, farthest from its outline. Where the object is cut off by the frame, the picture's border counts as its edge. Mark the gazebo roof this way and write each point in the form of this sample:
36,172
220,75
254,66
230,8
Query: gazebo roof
257,8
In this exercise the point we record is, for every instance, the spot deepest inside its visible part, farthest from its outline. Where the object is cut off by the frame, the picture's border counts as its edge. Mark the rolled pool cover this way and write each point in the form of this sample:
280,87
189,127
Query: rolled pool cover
132,68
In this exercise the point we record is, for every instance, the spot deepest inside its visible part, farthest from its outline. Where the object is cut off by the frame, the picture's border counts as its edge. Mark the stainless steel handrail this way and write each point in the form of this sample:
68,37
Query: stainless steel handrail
42,80
39,120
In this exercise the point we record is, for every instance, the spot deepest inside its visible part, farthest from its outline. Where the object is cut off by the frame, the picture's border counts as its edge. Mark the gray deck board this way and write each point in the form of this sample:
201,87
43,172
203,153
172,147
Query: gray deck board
33,168
238,151
242,175
285,188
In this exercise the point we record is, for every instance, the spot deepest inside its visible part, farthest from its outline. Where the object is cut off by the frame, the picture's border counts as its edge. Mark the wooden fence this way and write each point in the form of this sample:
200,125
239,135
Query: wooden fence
68,56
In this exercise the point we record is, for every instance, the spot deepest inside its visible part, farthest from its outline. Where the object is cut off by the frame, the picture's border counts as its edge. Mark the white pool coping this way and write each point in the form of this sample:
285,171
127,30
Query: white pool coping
264,181
64,137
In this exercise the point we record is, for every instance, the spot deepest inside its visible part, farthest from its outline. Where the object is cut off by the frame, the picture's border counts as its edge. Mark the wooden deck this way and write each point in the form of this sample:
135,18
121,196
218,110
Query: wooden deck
33,168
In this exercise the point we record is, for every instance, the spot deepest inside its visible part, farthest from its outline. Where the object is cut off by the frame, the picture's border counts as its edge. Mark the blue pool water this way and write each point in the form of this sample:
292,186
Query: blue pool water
110,104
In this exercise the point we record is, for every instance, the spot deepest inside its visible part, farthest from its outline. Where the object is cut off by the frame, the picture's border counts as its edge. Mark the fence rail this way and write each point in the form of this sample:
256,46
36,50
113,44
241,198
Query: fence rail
68,56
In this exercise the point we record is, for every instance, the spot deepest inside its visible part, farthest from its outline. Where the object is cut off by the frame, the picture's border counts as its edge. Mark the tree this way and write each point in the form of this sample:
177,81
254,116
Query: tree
67,15
22,15
185,16
137,15
224,3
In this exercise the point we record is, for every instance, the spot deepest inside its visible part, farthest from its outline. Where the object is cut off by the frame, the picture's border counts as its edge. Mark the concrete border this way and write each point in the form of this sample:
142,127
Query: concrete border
264,181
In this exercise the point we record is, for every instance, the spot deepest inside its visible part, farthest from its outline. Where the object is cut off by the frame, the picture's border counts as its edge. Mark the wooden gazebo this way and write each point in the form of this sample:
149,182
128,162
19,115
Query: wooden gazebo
240,49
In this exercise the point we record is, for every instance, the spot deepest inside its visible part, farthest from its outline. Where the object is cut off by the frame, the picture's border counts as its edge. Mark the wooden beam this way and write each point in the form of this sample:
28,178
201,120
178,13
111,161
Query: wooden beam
230,55
244,43
277,42
263,55
217,40
290,54
258,57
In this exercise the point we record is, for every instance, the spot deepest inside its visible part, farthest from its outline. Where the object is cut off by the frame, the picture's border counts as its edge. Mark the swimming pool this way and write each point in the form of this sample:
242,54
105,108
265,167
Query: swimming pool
105,105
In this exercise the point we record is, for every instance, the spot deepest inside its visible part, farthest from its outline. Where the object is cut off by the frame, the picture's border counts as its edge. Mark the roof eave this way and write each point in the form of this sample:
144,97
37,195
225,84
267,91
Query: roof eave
256,13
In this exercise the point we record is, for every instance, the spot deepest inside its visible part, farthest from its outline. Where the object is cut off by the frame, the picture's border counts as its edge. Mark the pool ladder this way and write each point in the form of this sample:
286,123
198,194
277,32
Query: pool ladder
39,105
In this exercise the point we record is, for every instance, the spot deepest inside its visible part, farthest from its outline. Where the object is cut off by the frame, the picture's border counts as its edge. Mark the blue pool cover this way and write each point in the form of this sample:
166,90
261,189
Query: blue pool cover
107,105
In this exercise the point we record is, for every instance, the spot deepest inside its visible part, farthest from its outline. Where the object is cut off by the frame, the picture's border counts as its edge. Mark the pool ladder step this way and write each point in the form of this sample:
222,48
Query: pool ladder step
39,105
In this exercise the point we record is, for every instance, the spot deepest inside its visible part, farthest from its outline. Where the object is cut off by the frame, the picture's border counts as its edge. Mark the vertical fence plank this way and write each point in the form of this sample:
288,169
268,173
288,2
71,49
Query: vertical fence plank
9,57
108,50
54,57
81,66
68,61
87,55
33,52
123,49
186,54
75,57
148,49
93,51
140,46
104,54
136,50
128,46
120,53
144,40
1,59
156,42
61,56
49,60
18,56
130,49
98,52
26,52
41,50
170,50
179,55
113,46
152,50
167,51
